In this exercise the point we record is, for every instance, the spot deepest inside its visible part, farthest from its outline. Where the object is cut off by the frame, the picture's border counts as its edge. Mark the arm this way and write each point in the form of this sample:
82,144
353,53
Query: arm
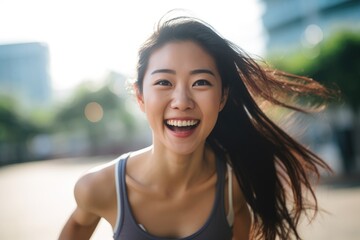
242,219
242,224
80,225
84,219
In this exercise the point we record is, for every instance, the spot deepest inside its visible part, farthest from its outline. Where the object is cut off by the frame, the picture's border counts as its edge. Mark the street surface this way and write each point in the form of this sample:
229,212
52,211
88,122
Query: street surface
37,198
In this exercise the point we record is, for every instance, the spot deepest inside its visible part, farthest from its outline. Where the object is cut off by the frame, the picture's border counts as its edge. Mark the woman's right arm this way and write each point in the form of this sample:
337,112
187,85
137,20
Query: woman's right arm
80,225
84,219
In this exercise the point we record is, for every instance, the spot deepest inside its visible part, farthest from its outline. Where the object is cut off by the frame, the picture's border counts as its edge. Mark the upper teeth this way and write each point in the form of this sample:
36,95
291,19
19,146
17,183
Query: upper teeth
182,123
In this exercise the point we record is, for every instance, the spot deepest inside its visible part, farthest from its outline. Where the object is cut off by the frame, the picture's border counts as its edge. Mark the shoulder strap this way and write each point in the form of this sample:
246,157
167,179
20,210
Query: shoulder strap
118,179
230,215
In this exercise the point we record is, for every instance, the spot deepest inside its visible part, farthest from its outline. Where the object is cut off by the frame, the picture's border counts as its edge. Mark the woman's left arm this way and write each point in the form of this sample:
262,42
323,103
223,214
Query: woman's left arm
242,219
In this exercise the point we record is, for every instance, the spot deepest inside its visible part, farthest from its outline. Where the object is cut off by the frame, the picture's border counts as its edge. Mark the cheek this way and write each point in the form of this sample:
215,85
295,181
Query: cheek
154,106
210,107
211,102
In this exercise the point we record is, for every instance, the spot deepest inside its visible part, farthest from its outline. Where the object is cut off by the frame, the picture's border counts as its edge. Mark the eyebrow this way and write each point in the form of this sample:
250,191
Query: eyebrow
193,72
199,71
163,71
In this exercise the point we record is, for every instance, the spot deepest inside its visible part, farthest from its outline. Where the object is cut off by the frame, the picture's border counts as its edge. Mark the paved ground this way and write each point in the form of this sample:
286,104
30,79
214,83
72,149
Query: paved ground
36,199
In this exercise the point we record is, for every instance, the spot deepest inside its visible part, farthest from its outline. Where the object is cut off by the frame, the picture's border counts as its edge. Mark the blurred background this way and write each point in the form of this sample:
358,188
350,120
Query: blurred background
66,105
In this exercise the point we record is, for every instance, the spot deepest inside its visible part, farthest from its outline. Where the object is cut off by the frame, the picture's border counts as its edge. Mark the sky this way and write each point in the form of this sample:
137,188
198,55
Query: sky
88,38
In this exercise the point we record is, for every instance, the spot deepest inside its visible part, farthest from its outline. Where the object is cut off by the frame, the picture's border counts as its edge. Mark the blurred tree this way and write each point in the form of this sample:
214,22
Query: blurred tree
15,133
335,61
101,113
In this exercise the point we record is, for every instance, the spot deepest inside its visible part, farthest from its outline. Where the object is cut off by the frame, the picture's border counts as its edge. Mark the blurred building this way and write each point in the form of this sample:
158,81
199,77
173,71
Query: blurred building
292,23
24,73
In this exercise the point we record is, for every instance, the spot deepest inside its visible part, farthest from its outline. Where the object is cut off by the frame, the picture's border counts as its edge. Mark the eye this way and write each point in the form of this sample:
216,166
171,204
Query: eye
163,82
202,82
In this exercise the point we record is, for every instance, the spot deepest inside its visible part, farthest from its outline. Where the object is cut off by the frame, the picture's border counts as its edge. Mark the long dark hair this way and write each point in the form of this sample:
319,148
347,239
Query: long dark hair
273,170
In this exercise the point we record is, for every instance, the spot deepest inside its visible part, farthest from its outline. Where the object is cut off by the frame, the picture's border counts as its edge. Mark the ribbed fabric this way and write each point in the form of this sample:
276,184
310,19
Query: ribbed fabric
215,228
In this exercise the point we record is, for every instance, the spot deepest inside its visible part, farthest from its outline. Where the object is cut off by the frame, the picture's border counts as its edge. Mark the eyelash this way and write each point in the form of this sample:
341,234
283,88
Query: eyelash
163,82
203,81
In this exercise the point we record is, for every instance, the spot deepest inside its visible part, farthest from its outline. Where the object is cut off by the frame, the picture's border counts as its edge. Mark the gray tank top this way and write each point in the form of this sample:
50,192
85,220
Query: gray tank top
216,226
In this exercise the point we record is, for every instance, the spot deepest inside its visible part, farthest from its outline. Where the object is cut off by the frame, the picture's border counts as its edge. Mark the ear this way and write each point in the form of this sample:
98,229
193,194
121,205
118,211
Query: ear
224,98
139,97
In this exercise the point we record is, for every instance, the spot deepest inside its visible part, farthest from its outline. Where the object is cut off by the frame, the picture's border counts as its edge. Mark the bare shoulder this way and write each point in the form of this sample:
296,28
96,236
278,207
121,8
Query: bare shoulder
96,188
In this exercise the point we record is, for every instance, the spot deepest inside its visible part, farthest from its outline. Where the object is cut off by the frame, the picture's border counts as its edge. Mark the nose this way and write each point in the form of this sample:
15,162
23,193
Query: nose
182,99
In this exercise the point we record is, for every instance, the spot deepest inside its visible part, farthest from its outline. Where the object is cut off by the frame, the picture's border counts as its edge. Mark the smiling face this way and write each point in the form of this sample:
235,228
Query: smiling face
181,97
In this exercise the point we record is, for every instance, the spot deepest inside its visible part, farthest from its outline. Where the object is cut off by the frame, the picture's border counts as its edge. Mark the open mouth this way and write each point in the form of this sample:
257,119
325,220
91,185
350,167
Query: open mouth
182,125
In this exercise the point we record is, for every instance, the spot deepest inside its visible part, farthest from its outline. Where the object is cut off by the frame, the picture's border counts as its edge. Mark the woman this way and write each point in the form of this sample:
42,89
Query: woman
218,167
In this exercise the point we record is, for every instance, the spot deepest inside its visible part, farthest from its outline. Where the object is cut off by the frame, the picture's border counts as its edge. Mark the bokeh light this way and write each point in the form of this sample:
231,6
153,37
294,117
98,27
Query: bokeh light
94,112
313,34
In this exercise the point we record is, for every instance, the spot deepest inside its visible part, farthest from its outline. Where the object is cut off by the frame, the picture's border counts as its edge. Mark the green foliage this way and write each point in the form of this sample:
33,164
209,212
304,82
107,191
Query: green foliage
110,103
15,131
335,61
67,124
116,121
83,96
13,127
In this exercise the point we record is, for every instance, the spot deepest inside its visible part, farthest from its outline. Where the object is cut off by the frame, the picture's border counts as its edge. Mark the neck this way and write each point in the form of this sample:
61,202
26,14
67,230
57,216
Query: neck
175,172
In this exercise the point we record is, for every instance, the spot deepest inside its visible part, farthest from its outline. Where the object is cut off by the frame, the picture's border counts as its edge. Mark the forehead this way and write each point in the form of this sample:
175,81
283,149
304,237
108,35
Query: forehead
181,55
